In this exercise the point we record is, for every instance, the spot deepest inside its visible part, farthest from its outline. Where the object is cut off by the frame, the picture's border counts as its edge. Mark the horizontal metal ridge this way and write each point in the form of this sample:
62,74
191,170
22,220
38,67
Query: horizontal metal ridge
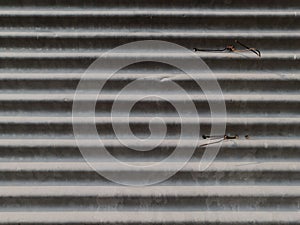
150,191
61,141
41,141
68,97
112,167
130,12
83,33
142,118
292,55
142,217
236,4
135,74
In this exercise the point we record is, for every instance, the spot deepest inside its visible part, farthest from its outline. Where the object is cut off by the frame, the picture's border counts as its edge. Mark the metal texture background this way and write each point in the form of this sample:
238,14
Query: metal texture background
46,45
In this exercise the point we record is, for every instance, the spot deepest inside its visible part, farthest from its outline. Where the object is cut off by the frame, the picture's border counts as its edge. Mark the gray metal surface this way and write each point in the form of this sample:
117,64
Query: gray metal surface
45,47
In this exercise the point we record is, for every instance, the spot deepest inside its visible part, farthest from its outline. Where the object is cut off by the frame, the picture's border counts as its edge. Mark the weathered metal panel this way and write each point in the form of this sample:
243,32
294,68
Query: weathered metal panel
47,45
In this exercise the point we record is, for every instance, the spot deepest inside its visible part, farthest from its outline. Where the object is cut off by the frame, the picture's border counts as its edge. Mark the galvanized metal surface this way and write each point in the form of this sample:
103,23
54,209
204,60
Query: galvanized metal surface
47,45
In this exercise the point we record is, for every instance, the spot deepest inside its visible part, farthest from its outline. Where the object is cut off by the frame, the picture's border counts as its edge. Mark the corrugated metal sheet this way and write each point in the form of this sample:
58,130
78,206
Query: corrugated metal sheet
45,47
